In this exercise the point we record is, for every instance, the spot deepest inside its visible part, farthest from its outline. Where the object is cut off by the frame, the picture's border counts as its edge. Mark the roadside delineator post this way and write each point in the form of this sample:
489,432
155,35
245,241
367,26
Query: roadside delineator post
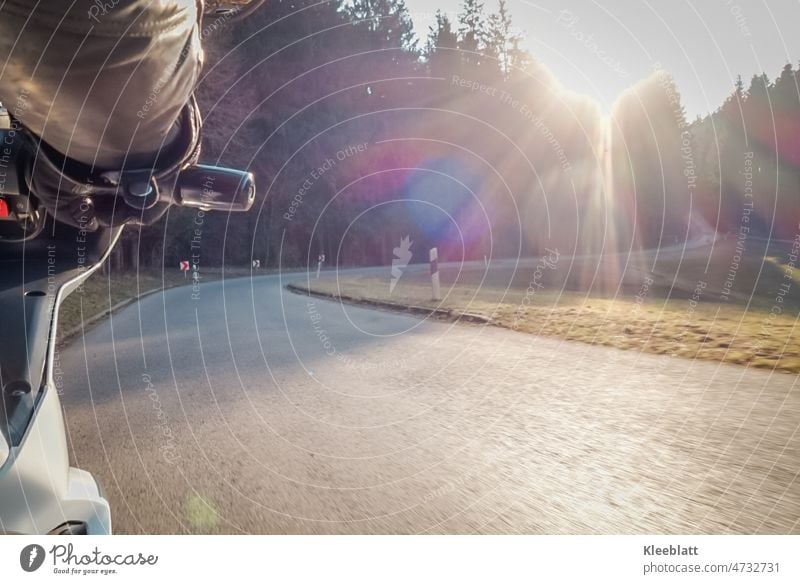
320,261
433,255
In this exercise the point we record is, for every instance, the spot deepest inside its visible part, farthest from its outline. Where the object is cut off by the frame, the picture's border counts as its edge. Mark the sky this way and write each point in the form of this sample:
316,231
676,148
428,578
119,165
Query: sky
601,48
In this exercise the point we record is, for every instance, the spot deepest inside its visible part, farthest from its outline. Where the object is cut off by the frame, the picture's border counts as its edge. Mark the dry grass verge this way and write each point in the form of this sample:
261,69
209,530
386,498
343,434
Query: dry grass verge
671,303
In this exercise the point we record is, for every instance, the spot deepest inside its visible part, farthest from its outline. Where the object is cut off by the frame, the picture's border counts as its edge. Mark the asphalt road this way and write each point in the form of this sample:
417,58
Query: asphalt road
249,409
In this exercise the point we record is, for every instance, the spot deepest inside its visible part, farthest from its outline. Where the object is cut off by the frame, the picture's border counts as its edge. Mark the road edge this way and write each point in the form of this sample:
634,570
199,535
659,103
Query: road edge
65,338
446,314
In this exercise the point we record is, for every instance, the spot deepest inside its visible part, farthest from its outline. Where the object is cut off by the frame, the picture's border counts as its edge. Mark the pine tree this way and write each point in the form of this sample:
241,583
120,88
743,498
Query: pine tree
502,42
785,90
385,23
757,94
471,35
441,50
732,106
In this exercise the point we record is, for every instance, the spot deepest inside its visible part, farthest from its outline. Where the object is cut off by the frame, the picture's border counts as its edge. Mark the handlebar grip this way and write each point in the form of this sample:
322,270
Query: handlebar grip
213,188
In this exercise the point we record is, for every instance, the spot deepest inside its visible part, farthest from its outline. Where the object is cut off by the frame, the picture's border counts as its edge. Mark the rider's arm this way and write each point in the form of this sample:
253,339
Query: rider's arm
101,81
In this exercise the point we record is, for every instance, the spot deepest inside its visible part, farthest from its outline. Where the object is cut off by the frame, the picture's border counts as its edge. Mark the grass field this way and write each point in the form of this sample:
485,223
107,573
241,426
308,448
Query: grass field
102,292
718,302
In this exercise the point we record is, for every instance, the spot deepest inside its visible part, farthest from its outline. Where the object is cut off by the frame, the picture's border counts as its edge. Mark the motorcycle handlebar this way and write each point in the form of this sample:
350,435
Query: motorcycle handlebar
202,186
213,188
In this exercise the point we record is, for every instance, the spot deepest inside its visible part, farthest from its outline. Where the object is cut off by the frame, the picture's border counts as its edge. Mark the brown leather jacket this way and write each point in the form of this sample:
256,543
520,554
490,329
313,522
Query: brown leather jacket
100,81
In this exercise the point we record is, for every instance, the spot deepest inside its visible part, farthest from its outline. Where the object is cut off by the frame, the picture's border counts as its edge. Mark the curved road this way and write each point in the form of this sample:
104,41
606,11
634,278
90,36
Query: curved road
251,409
